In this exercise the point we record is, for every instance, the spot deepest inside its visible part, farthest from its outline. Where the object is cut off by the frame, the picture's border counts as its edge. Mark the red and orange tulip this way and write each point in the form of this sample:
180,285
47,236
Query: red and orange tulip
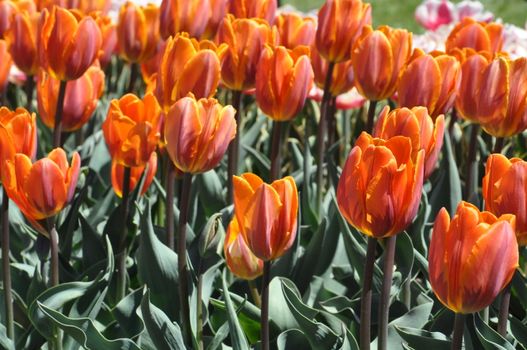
380,187
109,38
294,30
264,9
431,81
198,132
267,214
138,31
9,8
135,175
190,16
22,40
6,62
80,100
378,57
342,79
471,258
131,129
83,6
417,125
239,258
283,81
479,36
68,45
219,9
504,189
340,23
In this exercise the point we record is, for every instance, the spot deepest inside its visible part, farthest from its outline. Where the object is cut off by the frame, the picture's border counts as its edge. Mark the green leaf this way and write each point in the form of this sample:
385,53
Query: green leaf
238,339
489,338
125,312
5,342
404,255
421,339
519,331
92,246
219,337
210,191
292,339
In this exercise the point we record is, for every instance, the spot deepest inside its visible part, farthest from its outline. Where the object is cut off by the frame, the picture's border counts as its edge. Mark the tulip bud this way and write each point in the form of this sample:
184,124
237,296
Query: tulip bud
190,16
239,258
22,41
380,187
131,129
471,258
210,237
295,30
342,79
283,81
68,45
5,65
135,176
479,36
198,132
264,9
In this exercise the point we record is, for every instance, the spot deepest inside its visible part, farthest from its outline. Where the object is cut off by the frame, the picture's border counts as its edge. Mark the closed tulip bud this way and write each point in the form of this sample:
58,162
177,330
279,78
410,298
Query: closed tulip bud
479,36
239,258
429,80
219,9
80,100
190,16
342,79
493,93
68,45
264,9
109,38
417,125
135,176
380,187
283,81
5,65
504,189
267,214
471,258
22,41
198,132
198,70
340,23
131,129
41,189
137,31
378,57
295,30
245,39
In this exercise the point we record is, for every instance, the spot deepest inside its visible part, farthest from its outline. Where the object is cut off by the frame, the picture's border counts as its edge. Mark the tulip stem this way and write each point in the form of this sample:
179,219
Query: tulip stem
384,305
57,130
371,116
498,146
254,293
321,134
366,295
457,337
54,240
472,165
452,123
121,262
503,315
133,77
264,329
234,147
276,150
29,87
8,293
199,310
182,257
170,192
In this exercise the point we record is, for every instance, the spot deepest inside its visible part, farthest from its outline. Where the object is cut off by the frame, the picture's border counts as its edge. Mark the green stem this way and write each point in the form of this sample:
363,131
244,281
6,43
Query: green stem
122,251
234,147
384,305
199,311
254,293
498,146
457,337
366,295
264,327
371,117
134,68
276,150
54,249
57,130
472,166
503,315
8,293
169,210
29,88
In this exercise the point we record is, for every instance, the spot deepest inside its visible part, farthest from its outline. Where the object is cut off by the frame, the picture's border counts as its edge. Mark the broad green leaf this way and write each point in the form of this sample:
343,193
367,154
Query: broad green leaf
219,337
489,338
421,339
5,342
292,339
125,312
210,190
238,339
519,331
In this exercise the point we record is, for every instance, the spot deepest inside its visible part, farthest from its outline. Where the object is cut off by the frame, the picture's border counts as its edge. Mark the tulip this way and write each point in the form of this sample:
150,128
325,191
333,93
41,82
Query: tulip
283,81
198,132
80,100
83,6
5,65
109,38
264,9
380,187
429,80
9,8
267,214
190,16
471,258
239,258
22,40
68,45
245,39
137,31
340,23
432,14
342,78
504,189
131,129
198,70
378,57
479,36
149,67
218,12
417,125
295,30
135,176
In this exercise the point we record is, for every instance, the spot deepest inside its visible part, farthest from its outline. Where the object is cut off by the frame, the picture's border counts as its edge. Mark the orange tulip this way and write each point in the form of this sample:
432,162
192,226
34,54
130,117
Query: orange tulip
198,132
83,6
471,258
479,36
5,65
380,186
218,11
245,39
22,40
504,189
109,38
131,129
9,8
239,258
493,93
342,79
41,189
417,125
283,81
340,23
295,30
149,67
267,214
190,16
378,57
80,100
135,175
264,9
430,80
198,70
138,31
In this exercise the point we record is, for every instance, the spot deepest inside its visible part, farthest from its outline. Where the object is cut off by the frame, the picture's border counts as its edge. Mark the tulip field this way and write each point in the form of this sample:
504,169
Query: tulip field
238,174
